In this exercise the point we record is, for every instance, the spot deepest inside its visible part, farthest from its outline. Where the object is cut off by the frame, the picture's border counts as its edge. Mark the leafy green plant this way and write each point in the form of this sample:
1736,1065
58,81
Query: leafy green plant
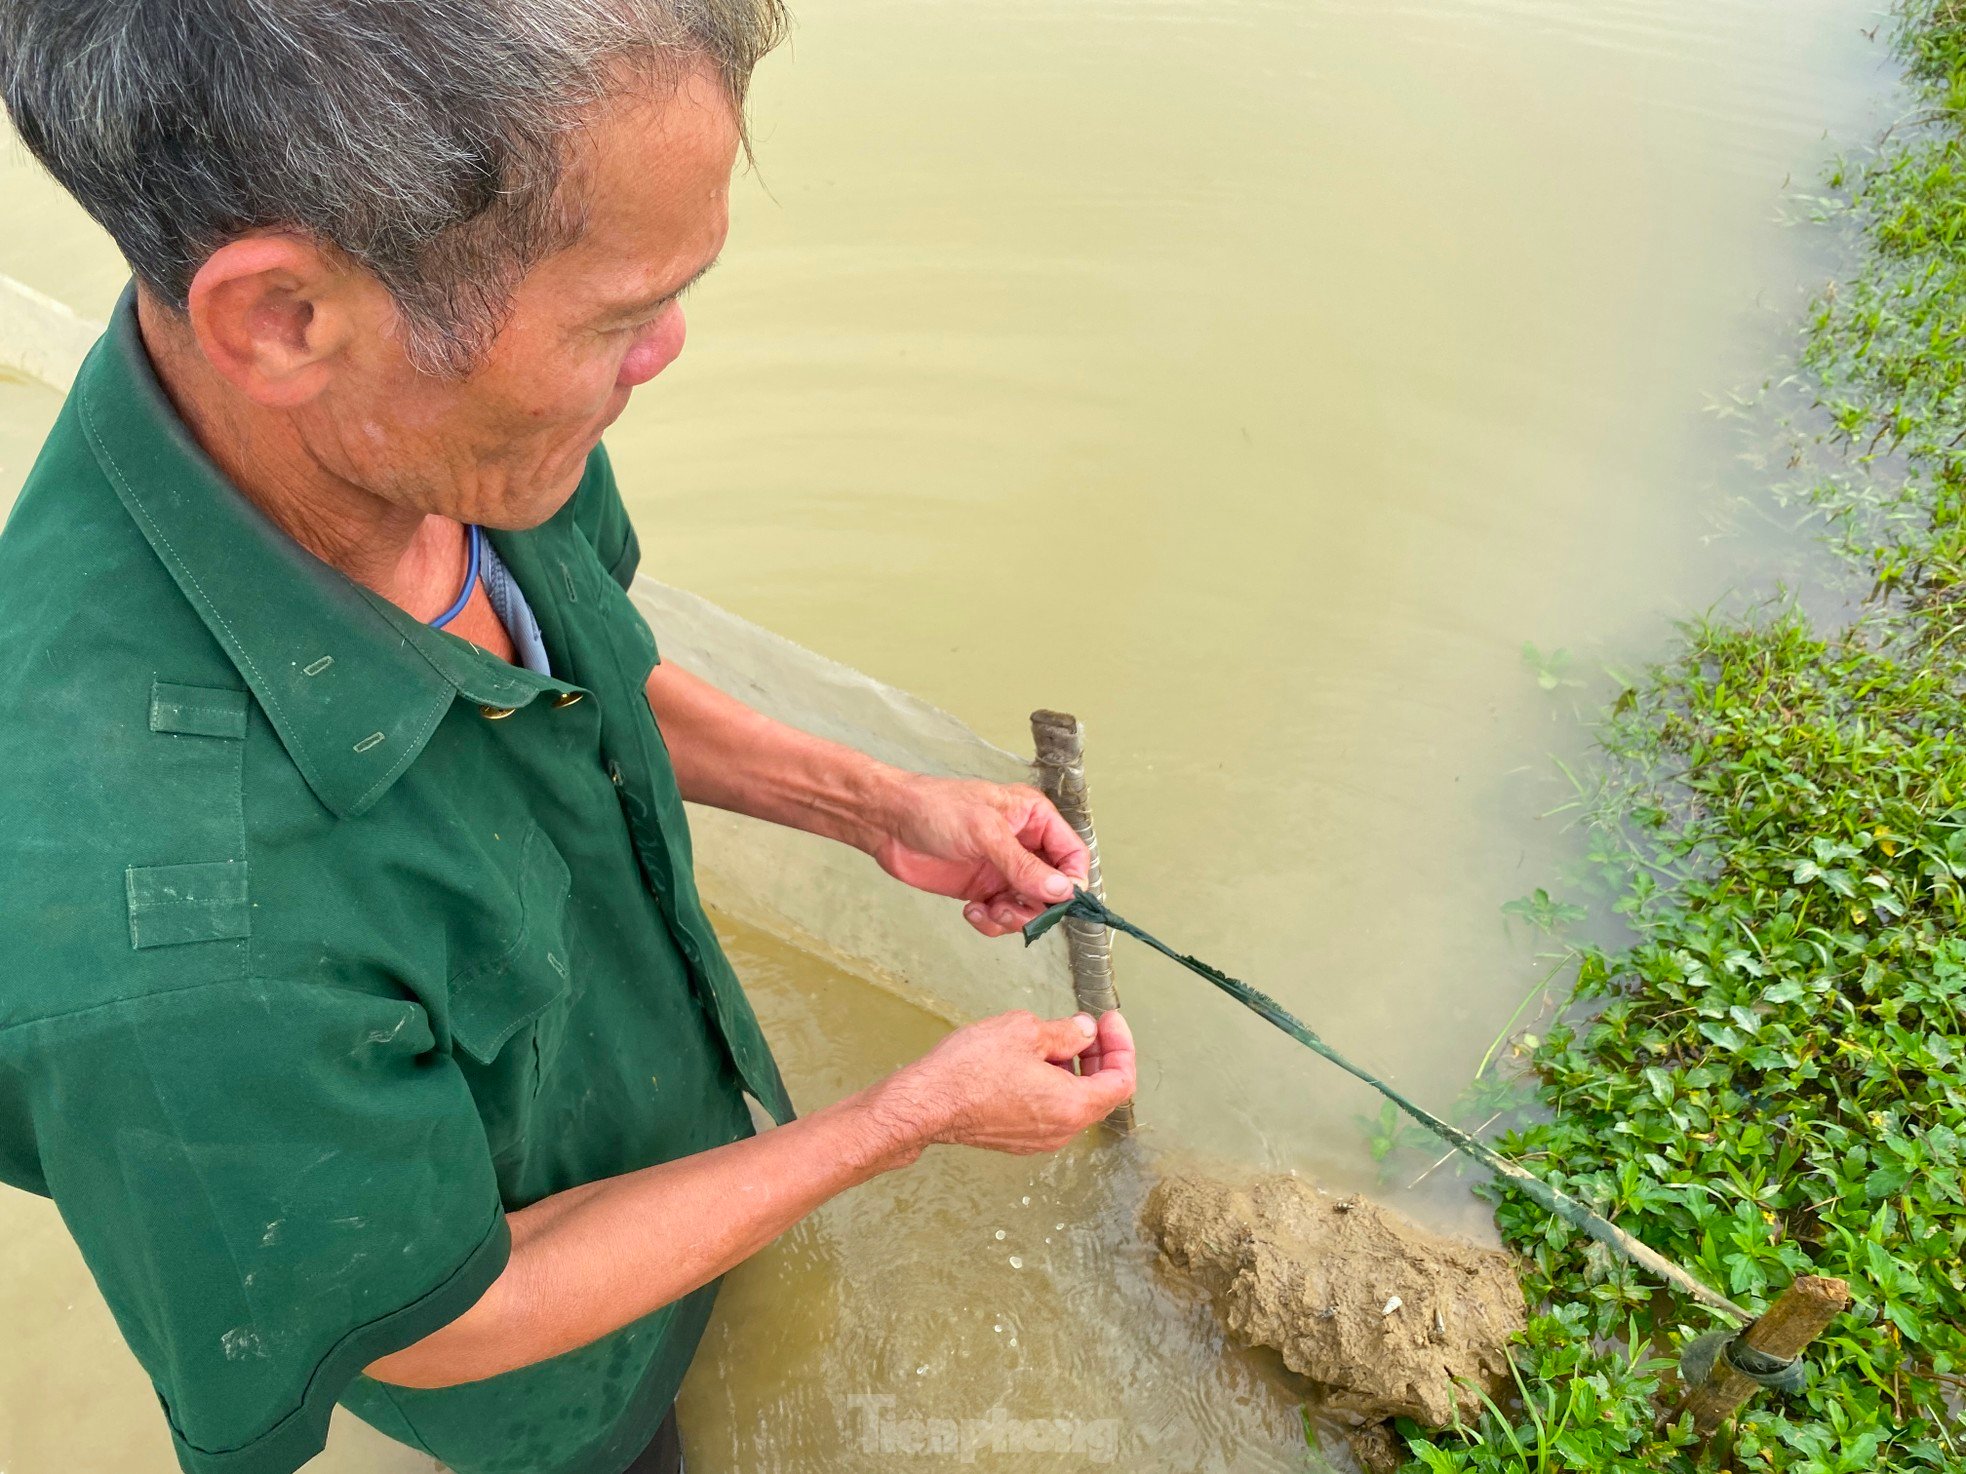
1544,912
1551,668
1769,1077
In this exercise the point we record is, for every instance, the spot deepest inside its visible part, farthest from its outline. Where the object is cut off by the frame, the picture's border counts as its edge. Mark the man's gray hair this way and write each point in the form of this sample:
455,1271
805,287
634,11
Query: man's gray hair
424,139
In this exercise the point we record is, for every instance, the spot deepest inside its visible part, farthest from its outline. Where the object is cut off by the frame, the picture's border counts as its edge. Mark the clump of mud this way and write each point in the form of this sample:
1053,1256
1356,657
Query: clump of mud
1383,1316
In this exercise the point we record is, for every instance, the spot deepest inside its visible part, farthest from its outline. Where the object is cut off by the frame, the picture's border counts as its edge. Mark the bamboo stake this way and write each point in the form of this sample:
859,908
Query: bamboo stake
1060,742
1803,1313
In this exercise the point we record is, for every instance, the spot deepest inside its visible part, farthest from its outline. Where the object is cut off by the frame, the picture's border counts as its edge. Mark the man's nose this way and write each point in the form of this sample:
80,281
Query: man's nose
658,347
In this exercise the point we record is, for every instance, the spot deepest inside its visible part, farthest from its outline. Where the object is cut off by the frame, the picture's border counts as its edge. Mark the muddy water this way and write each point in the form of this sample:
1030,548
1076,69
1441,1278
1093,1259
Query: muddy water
1255,379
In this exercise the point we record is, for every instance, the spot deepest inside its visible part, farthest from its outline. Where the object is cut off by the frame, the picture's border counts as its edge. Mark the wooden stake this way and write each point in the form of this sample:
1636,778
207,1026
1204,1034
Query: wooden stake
1801,1315
1060,743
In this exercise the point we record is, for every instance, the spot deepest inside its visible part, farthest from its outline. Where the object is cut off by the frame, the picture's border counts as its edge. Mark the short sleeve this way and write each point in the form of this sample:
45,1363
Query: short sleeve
274,1184
603,520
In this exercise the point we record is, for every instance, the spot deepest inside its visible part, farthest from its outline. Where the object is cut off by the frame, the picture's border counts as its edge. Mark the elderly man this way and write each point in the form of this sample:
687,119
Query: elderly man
360,1014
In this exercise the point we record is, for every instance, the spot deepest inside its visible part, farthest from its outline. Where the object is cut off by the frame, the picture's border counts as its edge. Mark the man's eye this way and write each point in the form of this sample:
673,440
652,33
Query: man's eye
647,319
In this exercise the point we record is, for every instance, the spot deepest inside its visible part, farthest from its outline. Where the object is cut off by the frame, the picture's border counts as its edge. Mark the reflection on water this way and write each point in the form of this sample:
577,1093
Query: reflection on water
973,1290
1254,379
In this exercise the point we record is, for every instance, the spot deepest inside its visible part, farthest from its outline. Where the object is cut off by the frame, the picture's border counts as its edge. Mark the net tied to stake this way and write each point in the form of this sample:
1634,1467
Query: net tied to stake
1087,907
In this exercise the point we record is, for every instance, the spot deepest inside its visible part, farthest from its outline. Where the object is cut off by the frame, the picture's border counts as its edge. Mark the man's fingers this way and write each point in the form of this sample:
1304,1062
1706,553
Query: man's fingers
1107,1091
978,915
1113,1040
1112,1083
1114,1045
1009,911
1030,877
1047,834
1064,1039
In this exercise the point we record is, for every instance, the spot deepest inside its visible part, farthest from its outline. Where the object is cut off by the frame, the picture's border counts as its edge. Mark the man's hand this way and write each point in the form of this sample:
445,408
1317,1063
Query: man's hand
1007,1083
1001,848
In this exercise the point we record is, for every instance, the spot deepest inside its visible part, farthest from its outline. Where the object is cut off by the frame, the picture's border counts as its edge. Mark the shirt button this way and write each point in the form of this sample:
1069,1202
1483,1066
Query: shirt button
496,713
564,699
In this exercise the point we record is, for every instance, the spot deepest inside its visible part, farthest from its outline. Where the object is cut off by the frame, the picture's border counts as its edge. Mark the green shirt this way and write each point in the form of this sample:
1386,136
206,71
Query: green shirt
330,938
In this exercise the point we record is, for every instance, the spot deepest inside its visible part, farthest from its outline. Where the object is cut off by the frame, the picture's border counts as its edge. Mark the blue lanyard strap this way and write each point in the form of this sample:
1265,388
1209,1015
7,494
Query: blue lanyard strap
474,542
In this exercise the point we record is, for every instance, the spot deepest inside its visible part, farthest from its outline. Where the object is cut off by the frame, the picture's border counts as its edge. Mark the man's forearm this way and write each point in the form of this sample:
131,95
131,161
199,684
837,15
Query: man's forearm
731,757
587,1261
1001,848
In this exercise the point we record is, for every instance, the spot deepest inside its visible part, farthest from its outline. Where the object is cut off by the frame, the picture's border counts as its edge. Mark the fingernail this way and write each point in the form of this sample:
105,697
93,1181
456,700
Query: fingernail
1085,1023
974,913
1058,887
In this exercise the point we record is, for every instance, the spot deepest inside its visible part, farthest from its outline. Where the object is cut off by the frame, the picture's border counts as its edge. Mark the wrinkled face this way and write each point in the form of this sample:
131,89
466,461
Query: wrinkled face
505,446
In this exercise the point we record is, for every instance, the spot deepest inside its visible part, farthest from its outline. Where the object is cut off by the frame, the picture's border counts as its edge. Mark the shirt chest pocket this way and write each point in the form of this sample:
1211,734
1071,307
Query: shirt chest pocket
509,1012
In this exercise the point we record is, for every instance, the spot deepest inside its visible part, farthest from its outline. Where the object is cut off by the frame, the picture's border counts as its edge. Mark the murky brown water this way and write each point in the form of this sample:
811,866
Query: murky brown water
1254,379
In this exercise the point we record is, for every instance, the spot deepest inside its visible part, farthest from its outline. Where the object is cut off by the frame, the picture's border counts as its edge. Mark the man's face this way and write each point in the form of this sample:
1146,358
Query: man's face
505,446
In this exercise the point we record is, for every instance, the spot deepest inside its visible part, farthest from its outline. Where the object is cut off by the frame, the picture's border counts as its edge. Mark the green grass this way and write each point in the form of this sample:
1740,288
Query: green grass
1769,1078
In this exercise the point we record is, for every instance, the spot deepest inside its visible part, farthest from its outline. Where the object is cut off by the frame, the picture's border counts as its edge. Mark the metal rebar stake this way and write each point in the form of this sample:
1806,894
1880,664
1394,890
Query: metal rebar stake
1060,742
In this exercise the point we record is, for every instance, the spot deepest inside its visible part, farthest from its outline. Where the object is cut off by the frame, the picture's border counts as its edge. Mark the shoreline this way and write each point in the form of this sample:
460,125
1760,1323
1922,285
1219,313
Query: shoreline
1762,1081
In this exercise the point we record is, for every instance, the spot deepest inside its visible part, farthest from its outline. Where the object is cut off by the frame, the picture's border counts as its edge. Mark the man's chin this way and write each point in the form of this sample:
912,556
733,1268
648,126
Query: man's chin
536,508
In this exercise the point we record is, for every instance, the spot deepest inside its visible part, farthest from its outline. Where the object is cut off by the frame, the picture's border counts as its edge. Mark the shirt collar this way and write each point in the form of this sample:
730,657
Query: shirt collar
352,684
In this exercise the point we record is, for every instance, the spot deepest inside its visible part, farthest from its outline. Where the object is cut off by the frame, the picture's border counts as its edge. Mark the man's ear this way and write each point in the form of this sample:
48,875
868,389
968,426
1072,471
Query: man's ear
271,314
